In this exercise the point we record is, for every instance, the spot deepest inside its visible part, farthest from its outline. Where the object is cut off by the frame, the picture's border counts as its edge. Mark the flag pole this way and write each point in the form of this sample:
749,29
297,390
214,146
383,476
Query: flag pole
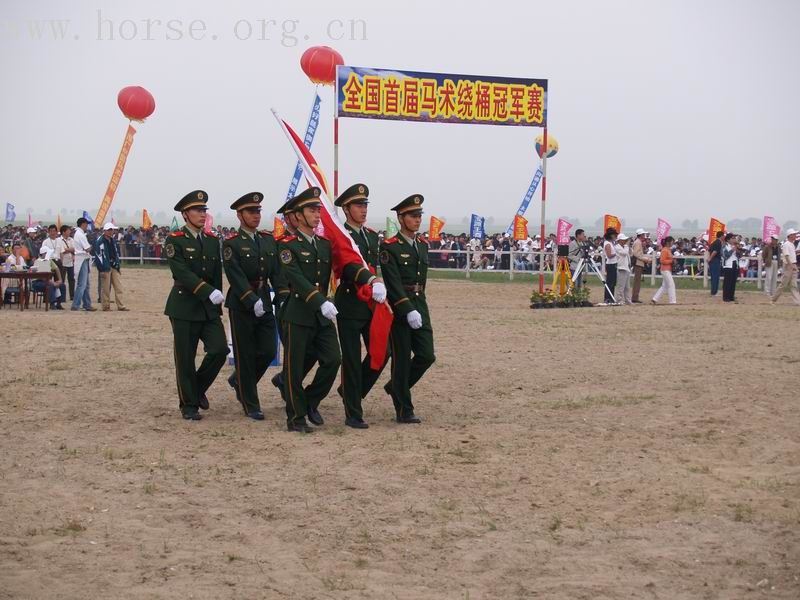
544,198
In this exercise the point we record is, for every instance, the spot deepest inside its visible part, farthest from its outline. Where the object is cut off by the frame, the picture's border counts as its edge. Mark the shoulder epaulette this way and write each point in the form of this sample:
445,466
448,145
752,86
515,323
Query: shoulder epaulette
369,229
210,233
288,238
177,234
264,232
391,240
423,240
232,235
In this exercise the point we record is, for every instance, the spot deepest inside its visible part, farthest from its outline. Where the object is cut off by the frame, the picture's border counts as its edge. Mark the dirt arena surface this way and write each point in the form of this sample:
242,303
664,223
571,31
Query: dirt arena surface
642,452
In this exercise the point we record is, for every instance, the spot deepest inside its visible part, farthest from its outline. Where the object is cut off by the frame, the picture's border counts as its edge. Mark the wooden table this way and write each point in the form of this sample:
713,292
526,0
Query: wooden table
24,278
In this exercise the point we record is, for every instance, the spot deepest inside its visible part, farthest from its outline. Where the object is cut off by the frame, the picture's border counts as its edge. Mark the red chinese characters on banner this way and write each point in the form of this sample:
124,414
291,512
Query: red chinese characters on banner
353,94
392,95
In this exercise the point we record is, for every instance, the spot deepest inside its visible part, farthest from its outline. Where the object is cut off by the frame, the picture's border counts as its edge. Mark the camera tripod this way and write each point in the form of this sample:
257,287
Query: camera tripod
582,266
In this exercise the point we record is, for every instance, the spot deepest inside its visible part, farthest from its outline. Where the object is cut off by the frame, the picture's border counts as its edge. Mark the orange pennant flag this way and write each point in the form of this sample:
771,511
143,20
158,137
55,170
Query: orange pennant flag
116,176
520,227
714,226
611,221
435,230
278,229
147,223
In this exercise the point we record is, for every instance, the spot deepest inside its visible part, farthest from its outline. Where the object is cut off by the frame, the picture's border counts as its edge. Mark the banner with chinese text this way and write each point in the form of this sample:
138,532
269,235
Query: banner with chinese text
714,225
662,230
368,93
771,228
116,176
610,221
562,232
435,230
526,200
520,228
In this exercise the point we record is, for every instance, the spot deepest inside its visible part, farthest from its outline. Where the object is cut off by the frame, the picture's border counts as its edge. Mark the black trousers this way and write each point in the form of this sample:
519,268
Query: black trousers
729,277
68,275
611,282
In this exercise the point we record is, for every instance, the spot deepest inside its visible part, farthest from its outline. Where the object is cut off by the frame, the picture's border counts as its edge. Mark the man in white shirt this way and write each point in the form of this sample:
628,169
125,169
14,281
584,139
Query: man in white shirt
65,250
81,267
789,277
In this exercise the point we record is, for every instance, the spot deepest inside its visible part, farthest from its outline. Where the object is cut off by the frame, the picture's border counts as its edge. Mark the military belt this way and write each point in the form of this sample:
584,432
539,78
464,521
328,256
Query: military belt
257,284
417,287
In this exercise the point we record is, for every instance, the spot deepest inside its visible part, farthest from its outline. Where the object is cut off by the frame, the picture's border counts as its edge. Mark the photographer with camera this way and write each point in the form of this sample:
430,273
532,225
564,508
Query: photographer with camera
578,249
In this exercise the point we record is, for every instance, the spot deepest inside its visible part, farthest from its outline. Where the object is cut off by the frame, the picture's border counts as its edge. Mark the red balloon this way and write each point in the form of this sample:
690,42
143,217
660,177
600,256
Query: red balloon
319,63
136,103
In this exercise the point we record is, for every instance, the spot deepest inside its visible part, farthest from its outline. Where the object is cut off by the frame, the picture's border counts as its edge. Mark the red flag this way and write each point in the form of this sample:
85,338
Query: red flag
209,223
344,248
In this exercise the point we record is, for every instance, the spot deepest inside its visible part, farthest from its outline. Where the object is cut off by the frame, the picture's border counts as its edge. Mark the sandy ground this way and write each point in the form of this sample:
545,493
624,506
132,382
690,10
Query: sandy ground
644,452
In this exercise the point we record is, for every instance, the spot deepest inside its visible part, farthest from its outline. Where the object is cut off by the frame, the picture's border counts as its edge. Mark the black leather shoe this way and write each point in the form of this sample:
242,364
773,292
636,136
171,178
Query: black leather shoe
412,418
235,386
299,427
256,415
355,423
194,416
277,381
203,402
315,417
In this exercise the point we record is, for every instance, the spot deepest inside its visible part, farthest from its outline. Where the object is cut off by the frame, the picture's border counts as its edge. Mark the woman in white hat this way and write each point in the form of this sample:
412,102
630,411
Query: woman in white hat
624,291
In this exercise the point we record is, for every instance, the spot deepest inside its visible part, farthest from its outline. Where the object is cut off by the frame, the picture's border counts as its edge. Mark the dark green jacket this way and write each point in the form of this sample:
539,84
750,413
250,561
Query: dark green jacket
308,272
249,267
347,303
403,267
196,271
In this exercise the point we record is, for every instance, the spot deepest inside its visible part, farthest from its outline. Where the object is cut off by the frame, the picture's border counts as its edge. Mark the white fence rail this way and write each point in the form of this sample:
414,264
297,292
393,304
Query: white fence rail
515,264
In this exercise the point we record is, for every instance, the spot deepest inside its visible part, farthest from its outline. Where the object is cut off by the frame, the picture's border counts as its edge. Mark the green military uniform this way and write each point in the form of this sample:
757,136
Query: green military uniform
404,267
194,259
307,268
353,320
311,359
251,260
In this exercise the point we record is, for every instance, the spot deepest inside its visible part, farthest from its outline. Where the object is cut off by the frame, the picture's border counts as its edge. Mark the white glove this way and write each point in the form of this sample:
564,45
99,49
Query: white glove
216,297
258,308
329,310
414,319
379,292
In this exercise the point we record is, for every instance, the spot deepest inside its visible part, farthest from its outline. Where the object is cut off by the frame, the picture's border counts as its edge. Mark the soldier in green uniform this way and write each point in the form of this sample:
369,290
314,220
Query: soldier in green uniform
308,316
354,316
193,305
250,260
404,266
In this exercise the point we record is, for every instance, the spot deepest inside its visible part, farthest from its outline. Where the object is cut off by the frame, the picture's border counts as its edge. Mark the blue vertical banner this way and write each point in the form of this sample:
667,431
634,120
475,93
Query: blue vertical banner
11,214
537,177
311,130
476,227
88,217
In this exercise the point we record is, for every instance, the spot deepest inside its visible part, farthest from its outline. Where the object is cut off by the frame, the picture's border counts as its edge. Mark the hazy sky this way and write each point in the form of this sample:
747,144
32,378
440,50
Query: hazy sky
674,109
